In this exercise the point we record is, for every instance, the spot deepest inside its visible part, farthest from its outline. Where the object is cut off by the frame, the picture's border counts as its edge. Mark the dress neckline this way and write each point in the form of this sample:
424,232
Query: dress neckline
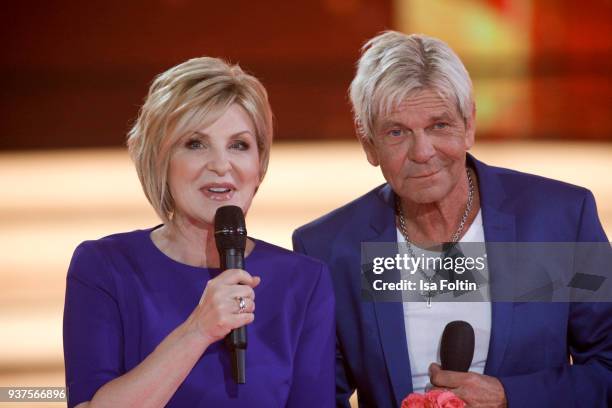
161,255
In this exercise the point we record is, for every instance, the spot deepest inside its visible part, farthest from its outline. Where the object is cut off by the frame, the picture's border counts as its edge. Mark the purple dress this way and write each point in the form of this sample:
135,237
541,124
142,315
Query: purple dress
124,296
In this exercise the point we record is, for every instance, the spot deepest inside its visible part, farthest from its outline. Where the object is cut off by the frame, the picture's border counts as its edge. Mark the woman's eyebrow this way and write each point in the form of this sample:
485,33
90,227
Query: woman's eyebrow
207,136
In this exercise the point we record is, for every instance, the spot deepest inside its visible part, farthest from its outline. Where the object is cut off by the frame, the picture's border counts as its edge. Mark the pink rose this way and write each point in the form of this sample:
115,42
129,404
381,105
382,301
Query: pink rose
433,399
432,396
444,399
415,400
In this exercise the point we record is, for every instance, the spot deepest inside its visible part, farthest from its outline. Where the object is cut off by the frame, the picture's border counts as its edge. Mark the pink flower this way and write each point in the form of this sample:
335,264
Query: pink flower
432,396
433,399
444,399
415,400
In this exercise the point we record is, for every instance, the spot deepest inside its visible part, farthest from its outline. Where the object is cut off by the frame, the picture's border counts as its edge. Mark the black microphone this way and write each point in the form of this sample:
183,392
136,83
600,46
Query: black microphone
457,346
230,237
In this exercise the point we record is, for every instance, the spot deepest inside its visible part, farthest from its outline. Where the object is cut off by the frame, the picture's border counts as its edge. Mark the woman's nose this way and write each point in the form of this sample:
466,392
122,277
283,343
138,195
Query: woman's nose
218,162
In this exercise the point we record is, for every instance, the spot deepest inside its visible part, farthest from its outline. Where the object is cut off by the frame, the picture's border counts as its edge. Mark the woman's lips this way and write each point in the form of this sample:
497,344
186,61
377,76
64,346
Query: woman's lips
218,191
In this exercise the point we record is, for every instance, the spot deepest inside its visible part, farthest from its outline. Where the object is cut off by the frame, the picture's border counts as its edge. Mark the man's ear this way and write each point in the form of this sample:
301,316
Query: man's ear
370,150
366,144
470,128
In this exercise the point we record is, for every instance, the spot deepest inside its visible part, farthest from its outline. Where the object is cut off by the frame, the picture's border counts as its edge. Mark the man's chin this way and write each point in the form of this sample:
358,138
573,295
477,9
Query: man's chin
423,195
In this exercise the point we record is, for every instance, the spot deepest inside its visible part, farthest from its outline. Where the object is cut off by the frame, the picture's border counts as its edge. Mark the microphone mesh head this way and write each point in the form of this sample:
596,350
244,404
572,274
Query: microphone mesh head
457,346
230,228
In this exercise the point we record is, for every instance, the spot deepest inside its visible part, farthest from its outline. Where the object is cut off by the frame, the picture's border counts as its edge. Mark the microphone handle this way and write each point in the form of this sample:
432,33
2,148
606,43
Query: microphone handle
236,340
232,258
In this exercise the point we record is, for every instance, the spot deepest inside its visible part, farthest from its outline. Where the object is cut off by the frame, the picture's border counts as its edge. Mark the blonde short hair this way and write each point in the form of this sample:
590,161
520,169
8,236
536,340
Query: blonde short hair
197,91
393,65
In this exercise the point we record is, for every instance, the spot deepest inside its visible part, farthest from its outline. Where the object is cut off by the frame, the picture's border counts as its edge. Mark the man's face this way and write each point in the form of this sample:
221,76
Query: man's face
421,147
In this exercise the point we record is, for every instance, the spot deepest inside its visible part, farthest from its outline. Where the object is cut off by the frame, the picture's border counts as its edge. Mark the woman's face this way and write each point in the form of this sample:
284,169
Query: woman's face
214,166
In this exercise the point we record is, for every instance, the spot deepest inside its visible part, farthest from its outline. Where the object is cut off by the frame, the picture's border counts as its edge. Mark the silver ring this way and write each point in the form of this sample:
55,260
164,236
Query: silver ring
241,304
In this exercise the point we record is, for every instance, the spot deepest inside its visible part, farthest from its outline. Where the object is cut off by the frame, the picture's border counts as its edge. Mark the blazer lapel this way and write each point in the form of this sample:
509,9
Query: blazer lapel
390,315
499,226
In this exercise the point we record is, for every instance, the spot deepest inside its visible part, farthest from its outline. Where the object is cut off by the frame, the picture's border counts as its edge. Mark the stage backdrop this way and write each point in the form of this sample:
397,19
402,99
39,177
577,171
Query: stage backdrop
73,74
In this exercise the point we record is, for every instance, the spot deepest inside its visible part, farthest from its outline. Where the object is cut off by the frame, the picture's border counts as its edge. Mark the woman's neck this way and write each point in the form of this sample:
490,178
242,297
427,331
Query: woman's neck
188,243
191,243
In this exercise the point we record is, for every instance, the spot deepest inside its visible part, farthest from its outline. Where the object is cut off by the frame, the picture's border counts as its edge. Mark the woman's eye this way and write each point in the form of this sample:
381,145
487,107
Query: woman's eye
194,144
239,145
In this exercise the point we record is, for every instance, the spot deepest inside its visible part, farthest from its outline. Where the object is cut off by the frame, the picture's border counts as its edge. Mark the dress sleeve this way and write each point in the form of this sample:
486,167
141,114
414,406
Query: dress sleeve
313,381
93,334
345,384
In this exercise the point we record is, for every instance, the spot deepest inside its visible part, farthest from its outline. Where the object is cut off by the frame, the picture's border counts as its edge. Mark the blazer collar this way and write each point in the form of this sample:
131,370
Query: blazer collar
492,197
382,216
499,226
390,315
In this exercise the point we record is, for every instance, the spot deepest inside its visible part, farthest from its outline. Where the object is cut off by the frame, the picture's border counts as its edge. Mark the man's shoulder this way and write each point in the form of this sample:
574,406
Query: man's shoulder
336,219
521,185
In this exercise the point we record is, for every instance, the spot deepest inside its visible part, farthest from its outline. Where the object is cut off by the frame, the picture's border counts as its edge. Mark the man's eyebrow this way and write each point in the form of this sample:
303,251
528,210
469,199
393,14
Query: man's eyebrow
443,116
389,122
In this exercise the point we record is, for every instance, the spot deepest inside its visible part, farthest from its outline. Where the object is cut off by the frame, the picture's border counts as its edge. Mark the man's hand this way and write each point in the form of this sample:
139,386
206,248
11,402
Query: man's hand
476,390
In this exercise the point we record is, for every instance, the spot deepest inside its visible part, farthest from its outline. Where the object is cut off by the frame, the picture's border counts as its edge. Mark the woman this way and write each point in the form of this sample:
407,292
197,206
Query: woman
145,310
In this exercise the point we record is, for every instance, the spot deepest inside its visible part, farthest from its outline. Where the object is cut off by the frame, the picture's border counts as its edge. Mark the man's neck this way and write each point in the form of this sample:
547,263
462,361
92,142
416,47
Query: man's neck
430,224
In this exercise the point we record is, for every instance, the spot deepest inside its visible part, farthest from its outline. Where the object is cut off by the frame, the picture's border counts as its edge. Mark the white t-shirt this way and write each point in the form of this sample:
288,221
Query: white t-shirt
424,326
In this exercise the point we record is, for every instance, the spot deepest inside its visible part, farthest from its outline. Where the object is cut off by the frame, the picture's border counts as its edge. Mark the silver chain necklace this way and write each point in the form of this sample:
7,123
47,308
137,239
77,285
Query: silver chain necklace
429,294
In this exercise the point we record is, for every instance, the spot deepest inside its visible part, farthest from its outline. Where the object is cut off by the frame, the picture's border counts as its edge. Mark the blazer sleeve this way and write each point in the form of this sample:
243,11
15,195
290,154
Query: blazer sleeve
588,381
93,334
345,386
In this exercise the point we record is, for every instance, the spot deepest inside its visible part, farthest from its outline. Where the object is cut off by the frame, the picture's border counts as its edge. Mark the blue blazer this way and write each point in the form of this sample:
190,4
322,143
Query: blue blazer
530,343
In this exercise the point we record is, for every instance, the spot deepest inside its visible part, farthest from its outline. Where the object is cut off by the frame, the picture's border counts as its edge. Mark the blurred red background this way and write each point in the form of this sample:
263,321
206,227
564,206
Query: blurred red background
73,74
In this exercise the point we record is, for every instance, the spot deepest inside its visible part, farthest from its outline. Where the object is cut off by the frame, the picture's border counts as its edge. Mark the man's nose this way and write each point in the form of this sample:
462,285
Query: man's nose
421,149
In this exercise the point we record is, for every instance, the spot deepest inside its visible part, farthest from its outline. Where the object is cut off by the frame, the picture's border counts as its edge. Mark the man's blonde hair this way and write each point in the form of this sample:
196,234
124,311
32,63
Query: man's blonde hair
393,65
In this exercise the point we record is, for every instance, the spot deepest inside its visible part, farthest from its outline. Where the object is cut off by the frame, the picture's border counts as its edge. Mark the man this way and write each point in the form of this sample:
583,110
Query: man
414,114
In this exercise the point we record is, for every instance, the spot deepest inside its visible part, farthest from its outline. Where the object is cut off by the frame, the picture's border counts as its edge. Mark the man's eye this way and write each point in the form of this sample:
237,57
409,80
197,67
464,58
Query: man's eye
440,125
239,145
396,132
194,144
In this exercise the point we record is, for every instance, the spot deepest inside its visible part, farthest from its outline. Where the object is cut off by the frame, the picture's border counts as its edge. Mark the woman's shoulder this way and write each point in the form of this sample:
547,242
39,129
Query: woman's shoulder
123,241
267,252
307,279
92,257
288,268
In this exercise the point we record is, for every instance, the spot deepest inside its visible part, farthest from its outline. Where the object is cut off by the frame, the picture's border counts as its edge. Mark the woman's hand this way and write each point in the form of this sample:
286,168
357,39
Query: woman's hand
153,382
219,309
